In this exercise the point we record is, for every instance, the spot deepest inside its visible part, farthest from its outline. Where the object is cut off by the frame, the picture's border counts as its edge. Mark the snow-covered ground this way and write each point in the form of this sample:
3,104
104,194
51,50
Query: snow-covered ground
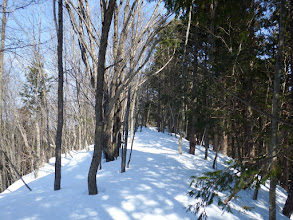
154,187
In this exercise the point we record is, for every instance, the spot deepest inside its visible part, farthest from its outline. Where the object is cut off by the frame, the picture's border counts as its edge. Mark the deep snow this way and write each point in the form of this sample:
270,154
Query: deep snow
154,187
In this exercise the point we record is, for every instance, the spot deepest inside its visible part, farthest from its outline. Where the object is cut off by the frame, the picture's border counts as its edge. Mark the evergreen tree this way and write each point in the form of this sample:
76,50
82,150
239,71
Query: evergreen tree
228,84
34,88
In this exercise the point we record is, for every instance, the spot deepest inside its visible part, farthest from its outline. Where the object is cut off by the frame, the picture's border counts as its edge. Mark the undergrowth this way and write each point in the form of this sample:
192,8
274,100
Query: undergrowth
221,186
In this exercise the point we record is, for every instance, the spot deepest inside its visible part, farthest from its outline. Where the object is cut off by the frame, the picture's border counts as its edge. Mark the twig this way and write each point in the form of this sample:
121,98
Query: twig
16,170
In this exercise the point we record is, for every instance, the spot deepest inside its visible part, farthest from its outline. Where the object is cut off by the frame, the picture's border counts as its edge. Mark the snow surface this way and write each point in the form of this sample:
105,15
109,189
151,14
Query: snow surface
153,188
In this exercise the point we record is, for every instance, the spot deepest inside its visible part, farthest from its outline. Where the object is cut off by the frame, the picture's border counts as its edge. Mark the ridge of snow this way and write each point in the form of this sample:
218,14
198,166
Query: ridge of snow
153,188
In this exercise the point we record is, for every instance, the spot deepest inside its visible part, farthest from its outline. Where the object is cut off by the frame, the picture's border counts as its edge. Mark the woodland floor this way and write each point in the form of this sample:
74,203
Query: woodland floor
153,188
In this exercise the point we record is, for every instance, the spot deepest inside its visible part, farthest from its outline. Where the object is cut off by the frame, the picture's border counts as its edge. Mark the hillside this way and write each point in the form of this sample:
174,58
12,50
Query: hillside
154,187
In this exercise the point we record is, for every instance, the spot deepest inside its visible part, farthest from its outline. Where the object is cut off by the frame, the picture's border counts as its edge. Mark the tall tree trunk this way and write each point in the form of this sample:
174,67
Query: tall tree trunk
275,113
211,64
288,207
249,151
159,105
4,20
2,161
124,151
192,136
291,45
57,182
183,82
133,118
119,45
37,158
96,159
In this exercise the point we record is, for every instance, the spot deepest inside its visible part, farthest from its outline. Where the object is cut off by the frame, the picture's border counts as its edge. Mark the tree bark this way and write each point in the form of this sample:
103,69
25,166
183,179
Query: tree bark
159,105
133,119
3,27
4,20
275,113
57,182
206,143
114,112
192,138
2,161
288,207
249,148
218,148
291,45
37,158
96,159
124,151
183,83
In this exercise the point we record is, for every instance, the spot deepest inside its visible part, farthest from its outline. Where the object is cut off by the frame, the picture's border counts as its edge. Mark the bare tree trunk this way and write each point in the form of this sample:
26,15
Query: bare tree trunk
96,159
192,138
124,151
38,150
132,123
57,182
182,73
111,149
159,105
216,156
213,5
275,113
249,145
206,143
224,144
2,161
180,143
288,207
217,145
4,20
224,138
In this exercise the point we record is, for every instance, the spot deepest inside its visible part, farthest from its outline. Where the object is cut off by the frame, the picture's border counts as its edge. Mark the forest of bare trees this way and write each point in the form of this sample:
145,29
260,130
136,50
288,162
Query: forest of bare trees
106,48
81,72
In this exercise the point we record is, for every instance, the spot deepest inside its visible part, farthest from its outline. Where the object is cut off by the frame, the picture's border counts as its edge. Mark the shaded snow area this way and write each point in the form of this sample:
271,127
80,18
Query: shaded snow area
153,188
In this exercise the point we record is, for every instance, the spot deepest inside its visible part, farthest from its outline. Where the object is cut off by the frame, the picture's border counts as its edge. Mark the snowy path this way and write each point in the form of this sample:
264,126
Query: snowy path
153,188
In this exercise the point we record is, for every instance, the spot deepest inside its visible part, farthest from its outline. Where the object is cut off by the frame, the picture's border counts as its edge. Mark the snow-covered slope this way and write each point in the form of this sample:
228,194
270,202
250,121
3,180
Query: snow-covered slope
154,187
